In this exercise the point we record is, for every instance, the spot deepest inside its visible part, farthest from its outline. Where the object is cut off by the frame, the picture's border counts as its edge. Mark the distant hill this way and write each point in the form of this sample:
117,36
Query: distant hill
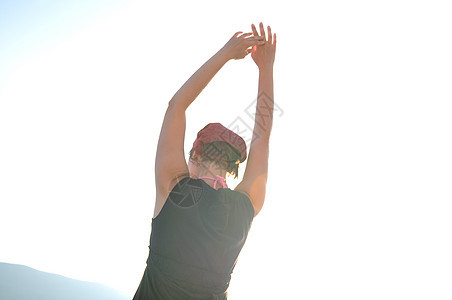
19,282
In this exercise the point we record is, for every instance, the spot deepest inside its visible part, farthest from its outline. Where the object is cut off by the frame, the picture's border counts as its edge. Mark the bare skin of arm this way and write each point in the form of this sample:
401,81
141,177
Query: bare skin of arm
255,177
170,164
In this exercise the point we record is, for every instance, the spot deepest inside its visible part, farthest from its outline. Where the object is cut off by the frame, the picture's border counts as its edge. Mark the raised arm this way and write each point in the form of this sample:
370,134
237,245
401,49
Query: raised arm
170,164
255,177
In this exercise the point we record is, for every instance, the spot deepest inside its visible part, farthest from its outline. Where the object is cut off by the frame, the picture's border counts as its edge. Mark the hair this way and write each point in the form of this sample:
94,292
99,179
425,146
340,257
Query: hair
222,153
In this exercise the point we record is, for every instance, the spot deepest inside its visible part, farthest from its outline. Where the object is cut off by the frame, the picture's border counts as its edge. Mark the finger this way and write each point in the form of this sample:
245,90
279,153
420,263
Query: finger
237,33
255,42
253,28
274,39
269,34
255,38
261,27
246,34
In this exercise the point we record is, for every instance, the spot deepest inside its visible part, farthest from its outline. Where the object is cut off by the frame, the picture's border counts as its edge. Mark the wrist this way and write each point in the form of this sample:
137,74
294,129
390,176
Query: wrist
266,68
223,55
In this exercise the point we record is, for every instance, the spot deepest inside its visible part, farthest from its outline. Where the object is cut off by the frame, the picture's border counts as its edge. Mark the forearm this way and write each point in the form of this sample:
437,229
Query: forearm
264,105
199,80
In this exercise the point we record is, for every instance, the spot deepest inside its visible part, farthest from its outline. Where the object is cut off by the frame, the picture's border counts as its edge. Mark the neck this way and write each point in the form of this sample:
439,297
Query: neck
211,171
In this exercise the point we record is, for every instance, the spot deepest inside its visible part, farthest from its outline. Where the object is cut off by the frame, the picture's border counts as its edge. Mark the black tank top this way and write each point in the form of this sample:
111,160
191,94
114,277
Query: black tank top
195,242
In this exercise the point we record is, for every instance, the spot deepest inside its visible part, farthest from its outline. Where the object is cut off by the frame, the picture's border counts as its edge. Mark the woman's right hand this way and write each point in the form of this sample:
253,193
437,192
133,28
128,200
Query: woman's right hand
264,54
239,45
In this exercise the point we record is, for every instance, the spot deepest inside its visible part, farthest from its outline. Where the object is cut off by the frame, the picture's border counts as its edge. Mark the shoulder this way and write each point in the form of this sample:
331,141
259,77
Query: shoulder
181,190
186,188
243,201
242,195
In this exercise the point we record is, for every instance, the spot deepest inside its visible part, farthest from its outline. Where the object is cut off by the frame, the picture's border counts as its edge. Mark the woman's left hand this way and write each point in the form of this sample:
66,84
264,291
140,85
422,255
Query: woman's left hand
241,44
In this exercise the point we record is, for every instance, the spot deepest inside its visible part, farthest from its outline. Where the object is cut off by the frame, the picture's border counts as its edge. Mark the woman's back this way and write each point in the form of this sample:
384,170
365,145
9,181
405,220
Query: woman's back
195,242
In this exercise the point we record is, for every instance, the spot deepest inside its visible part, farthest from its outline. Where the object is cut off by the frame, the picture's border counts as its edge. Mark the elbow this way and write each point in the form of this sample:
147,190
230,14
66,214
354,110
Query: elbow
176,104
173,104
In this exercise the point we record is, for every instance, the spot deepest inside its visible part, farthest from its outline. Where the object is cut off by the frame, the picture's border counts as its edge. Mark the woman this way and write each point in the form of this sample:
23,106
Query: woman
200,225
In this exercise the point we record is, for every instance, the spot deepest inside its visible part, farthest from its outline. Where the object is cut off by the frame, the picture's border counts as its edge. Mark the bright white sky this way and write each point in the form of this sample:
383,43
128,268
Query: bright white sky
359,190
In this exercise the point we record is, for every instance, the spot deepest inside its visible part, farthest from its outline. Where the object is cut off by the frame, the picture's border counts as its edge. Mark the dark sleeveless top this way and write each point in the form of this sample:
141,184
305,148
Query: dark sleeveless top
195,242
